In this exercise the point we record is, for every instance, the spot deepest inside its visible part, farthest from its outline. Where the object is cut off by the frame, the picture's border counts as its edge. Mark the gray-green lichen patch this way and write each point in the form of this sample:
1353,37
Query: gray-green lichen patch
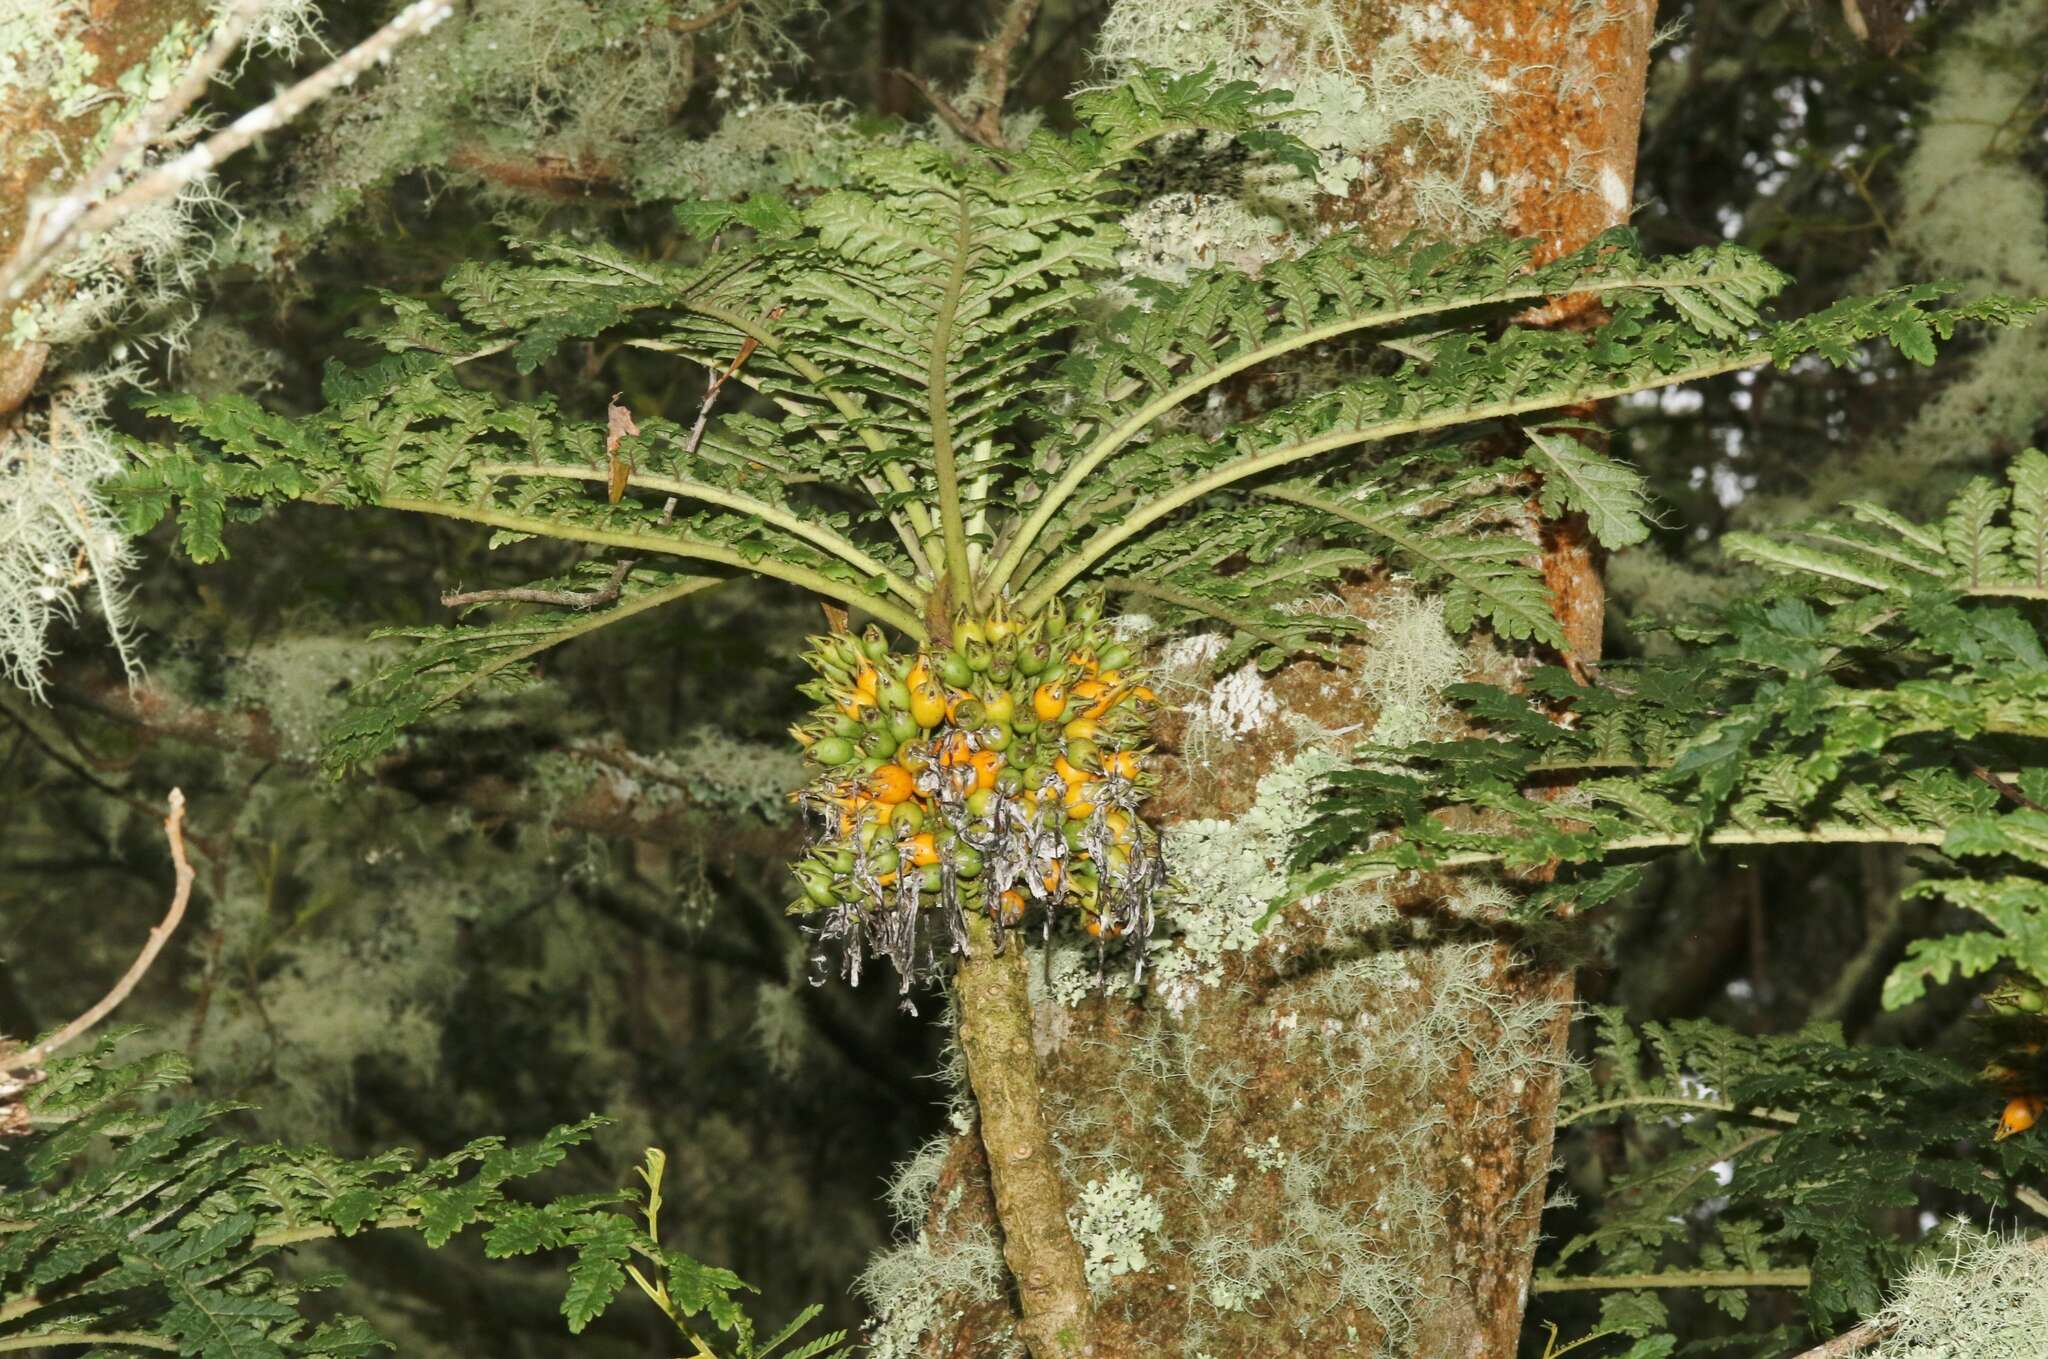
1227,873
1410,662
1112,1219
43,54
1978,1294
302,684
1361,114
529,98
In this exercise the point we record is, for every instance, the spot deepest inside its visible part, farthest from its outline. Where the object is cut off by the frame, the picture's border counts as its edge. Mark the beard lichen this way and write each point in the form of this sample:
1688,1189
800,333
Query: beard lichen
936,1267
1977,1294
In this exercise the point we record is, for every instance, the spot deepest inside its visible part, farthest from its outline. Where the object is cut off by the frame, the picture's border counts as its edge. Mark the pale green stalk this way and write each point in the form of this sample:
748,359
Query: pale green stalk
815,534
1075,563
896,616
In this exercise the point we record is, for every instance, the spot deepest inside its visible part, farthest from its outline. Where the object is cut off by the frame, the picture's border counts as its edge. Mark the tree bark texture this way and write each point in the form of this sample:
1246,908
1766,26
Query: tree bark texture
1349,1136
992,995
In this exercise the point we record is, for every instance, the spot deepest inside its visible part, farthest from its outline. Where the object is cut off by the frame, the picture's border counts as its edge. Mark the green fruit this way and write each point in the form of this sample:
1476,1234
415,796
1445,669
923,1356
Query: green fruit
1088,609
870,763
832,751
1084,756
873,643
966,861
970,713
1010,780
978,801
933,879
903,726
971,630
879,741
895,696
1033,658
885,860
908,815
1055,618
1116,656
995,736
1073,831
840,859
2032,1002
978,656
848,727
955,670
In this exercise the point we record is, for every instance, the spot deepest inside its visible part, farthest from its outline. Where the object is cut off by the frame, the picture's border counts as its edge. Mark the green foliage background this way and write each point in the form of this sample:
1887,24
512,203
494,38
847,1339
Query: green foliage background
568,898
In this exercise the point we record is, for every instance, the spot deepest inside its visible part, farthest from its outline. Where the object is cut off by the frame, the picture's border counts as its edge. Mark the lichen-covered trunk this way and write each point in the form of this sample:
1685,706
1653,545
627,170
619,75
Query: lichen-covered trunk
1331,1137
72,61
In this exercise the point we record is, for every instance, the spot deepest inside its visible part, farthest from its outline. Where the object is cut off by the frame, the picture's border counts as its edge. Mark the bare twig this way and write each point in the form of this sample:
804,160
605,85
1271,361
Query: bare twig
2004,789
1678,1278
29,1059
82,212
950,116
992,68
1849,1342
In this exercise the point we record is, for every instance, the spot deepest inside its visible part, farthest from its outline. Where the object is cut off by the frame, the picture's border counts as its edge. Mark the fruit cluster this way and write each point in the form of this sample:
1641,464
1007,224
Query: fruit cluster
1001,773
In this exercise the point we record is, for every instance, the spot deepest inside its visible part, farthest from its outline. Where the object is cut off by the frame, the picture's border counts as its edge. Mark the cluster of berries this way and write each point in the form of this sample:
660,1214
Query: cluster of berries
1000,774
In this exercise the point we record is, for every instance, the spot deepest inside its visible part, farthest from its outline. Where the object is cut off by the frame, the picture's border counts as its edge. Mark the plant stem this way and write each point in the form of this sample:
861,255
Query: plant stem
938,410
1135,424
139,1339
1083,558
29,1059
1680,1278
674,545
1717,1106
1031,1202
815,534
1829,834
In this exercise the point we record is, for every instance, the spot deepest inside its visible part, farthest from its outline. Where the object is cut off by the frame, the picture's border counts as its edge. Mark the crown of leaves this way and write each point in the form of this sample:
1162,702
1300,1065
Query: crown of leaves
960,398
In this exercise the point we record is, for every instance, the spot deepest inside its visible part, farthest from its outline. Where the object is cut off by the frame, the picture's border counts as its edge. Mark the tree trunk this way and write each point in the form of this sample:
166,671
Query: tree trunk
1345,1135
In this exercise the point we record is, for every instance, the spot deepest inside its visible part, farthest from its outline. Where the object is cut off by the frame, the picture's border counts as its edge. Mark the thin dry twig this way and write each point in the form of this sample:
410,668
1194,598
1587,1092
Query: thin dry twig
991,79
83,212
992,66
29,1059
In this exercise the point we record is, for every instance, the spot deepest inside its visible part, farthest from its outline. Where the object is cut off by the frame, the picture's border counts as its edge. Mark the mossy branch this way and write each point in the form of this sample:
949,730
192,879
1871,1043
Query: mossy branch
1031,1202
